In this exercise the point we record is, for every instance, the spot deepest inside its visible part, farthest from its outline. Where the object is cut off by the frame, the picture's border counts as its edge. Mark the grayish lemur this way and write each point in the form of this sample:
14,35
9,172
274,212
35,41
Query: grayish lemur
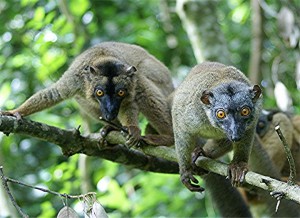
115,81
218,102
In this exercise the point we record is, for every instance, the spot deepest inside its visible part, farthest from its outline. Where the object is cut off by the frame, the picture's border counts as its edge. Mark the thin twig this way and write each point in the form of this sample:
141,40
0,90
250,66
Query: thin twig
290,158
50,191
11,197
5,180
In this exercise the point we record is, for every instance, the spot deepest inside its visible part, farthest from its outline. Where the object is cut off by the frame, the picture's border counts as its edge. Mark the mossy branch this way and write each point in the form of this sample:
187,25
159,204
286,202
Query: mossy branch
291,192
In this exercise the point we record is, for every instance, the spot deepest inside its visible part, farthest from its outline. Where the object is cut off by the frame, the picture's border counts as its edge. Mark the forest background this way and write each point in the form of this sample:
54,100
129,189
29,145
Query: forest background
38,41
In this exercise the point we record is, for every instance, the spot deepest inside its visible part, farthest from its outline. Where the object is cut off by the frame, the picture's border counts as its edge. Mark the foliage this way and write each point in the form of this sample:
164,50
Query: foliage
39,39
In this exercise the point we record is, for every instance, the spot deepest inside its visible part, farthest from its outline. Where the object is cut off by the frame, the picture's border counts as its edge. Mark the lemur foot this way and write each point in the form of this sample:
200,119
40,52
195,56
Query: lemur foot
104,132
198,152
237,172
134,136
190,181
11,113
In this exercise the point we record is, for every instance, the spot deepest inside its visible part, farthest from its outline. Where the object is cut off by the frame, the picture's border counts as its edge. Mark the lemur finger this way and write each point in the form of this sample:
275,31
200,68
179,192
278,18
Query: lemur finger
194,180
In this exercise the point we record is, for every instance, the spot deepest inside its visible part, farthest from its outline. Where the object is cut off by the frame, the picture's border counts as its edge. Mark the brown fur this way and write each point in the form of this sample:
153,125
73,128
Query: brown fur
148,88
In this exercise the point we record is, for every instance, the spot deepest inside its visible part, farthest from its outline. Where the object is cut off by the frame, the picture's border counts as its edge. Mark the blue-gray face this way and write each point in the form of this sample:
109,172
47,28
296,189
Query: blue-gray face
264,121
233,112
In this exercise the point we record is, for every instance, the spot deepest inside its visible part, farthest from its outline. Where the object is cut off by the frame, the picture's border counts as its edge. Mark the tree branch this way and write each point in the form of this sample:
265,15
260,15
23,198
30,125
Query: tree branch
292,177
149,158
291,192
11,197
72,142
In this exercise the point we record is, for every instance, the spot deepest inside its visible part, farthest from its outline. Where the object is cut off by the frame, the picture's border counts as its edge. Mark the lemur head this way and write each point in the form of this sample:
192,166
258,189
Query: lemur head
232,107
110,82
264,121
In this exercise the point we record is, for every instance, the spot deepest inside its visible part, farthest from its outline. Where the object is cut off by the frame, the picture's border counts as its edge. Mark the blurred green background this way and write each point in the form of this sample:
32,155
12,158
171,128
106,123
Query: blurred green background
38,41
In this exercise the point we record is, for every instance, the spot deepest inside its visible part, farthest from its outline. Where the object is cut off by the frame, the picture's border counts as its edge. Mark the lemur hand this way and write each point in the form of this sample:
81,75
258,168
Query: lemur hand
236,173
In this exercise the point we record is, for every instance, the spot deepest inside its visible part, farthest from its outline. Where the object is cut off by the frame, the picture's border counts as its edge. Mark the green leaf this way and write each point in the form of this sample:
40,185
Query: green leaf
39,14
79,7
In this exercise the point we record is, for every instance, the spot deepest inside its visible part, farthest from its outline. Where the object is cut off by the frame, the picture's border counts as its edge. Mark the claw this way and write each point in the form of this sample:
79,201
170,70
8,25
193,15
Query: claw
236,172
187,178
198,152
11,113
134,136
104,132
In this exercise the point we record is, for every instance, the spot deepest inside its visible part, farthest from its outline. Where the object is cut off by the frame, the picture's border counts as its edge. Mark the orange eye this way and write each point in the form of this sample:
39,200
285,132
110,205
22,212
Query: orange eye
220,114
99,93
121,93
245,111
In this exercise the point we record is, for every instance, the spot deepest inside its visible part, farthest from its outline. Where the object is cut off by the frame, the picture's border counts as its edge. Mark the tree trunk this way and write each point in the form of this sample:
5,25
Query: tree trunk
200,20
256,43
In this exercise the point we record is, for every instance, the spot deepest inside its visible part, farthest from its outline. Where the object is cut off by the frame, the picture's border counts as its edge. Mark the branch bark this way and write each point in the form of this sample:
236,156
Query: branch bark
149,158
291,192
72,142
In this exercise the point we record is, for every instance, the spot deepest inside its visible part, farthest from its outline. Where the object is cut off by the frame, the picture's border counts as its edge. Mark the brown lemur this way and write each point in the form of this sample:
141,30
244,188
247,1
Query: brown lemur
290,128
115,81
268,158
217,102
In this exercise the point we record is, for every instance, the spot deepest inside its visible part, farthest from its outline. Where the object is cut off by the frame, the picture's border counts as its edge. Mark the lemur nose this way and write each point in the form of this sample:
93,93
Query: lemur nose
235,138
110,117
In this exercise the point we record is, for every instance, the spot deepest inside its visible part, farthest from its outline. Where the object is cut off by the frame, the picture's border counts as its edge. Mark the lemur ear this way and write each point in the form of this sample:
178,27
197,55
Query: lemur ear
256,92
206,95
90,69
130,70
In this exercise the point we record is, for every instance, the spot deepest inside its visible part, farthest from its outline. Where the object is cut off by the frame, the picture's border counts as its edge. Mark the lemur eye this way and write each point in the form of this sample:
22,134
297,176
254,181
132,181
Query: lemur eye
261,124
121,92
245,111
220,114
99,92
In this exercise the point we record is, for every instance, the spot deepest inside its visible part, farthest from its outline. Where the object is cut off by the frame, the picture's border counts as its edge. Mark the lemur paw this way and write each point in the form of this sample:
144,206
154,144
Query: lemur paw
190,182
198,152
104,132
134,136
236,173
11,113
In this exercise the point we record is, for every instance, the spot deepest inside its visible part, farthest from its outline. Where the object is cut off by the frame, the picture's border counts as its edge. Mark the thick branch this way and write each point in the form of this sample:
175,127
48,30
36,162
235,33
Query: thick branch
72,142
291,192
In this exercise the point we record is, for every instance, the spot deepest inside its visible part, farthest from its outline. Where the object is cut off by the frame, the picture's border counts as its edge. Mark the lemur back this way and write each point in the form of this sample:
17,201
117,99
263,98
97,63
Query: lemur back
116,81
